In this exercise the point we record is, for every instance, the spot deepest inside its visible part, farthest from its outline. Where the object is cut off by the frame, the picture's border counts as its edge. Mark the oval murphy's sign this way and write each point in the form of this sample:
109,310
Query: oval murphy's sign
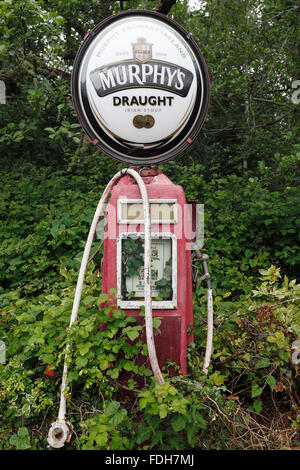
140,87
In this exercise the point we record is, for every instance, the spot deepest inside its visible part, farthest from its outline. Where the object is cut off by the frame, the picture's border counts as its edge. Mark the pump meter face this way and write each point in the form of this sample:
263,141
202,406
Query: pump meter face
131,286
140,87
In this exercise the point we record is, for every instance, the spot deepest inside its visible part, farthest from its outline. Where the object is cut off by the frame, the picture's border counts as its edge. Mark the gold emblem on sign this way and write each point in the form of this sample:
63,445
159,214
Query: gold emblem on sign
142,50
141,122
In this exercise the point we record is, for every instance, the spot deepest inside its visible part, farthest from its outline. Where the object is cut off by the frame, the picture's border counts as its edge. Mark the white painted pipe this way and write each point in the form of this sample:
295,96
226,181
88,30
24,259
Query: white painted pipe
148,294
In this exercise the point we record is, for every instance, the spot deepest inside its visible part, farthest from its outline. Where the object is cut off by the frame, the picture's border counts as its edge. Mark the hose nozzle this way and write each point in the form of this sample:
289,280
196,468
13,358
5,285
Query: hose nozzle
59,433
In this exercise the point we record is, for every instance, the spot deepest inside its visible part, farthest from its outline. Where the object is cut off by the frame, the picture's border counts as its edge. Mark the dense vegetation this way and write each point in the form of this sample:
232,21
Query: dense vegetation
244,168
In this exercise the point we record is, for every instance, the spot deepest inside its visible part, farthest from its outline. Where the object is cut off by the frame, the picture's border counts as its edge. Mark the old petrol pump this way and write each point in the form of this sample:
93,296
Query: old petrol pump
171,265
140,88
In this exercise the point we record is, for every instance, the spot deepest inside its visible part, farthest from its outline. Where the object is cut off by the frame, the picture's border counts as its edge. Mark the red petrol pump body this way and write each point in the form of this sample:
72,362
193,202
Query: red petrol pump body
171,266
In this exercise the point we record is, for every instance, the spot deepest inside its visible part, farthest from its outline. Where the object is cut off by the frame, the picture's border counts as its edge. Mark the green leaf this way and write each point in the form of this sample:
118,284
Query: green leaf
249,253
144,433
279,339
217,378
81,362
253,262
21,440
264,362
178,423
102,298
113,373
256,390
163,410
118,417
157,438
257,406
101,439
271,381
112,408
119,442
156,322
143,403
132,332
200,421
89,300
128,365
84,348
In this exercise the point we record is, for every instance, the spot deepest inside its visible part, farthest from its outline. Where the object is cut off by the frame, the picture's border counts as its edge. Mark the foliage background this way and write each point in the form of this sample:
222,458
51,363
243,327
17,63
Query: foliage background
244,167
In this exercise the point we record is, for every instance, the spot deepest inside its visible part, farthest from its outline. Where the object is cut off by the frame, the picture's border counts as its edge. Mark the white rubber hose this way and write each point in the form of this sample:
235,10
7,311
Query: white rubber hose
209,338
210,314
147,280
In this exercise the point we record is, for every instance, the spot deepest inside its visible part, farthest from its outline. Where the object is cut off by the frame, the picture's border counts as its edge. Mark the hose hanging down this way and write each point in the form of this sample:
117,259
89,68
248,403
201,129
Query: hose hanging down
61,430
210,316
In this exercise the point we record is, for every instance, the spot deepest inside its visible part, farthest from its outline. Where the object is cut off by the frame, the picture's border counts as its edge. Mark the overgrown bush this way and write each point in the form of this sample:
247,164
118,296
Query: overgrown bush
251,371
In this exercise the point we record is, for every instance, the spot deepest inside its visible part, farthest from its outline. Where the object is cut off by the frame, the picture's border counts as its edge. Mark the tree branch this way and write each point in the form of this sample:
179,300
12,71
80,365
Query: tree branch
165,6
242,128
270,101
55,70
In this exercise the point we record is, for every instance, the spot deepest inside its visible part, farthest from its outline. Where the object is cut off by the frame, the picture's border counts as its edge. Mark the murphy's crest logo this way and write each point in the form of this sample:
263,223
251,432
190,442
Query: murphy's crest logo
141,71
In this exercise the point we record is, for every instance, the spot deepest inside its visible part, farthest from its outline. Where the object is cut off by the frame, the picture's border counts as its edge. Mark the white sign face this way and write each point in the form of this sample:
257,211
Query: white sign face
140,87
